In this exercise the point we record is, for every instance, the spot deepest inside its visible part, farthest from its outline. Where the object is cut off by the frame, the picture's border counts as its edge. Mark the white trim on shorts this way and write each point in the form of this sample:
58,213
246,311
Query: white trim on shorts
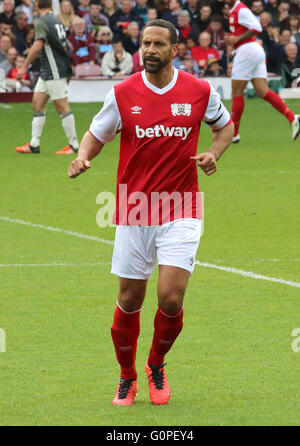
138,248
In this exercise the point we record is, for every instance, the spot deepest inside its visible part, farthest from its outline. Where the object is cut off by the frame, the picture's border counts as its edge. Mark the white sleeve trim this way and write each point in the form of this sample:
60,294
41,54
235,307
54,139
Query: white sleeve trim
247,19
107,123
216,112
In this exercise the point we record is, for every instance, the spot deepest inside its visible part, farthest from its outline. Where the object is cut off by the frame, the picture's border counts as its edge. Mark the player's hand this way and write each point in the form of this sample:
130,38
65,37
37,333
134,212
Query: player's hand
77,167
207,162
20,74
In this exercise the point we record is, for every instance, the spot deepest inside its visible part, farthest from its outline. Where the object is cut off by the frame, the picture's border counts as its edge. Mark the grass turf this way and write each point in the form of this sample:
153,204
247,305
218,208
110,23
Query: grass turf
233,363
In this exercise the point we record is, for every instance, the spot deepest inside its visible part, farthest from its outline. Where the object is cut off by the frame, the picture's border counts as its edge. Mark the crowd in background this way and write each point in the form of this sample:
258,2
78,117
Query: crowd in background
104,36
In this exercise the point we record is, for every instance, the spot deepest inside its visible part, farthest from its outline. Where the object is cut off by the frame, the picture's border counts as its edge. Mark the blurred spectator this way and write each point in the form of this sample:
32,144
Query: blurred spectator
83,8
213,68
171,13
93,19
141,9
118,62
216,31
227,57
27,7
131,42
185,28
83,44
257,8
193,8
295,7
181,53
217,6
294,27
66,14
24,85
283,10
5,44
291,63
29,37
8,15
190,43
138,64
203,52
123,16
109,9
274,47
161,6
151,14
271,7
229,69
188,65
17,30
9,63
204,19
103,38
225,17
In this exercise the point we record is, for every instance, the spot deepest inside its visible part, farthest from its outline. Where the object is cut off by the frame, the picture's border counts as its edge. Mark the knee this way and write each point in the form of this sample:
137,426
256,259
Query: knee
171,301
129,300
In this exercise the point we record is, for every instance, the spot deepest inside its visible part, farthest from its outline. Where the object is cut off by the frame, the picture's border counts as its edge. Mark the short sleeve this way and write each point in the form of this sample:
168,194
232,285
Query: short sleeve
41,30
216,115
107,123
248,20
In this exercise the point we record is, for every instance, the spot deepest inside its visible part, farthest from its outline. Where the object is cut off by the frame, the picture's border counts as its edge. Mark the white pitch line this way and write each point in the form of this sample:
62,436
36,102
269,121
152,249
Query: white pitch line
250,274
15,265
228,269
55,229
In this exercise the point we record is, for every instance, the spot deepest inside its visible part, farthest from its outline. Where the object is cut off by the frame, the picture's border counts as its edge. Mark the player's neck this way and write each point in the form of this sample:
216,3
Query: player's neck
161,79
43,12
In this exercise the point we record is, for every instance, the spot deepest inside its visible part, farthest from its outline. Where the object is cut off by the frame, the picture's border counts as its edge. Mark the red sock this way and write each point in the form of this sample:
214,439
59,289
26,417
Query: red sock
238,104
125,332
167,327
275,100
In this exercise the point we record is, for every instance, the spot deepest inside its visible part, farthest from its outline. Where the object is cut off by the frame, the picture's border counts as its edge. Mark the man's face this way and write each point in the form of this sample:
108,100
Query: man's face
22,21
8,6
192,3
284,8
152,14
12,55
118,47
291,51
134,31
5,43
94,10
205,12
285,37
215,26
157,50
78,28
126,6
264,19
19,61
257,8
181,51
183,22
204,40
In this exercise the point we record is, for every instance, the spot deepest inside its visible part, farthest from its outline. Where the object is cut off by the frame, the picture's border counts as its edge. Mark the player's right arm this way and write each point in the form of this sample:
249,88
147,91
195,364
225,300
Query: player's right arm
34,52
103,129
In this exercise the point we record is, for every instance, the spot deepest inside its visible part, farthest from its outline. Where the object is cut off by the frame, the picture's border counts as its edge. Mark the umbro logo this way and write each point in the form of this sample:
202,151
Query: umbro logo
136,110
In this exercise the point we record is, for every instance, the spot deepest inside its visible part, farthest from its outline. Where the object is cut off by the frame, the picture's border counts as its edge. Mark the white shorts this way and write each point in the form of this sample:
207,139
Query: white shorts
138,247
249,62
56,89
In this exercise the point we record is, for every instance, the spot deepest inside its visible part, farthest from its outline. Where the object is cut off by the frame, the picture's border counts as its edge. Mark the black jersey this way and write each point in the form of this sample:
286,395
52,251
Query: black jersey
55,63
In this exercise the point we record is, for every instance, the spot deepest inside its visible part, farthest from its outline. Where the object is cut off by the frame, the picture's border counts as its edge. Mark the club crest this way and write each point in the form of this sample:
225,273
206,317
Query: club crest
181,109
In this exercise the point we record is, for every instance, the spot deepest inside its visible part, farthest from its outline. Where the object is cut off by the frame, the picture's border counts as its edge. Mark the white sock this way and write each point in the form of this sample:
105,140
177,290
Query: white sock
68,123
38,123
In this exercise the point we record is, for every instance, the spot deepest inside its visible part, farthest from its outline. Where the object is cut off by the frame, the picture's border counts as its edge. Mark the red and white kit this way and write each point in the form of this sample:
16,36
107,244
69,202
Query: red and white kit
250,59
159,133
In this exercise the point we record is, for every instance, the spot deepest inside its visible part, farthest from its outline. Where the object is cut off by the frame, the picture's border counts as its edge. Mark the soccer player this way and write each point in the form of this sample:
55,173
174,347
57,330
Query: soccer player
158,112
249,65
50,44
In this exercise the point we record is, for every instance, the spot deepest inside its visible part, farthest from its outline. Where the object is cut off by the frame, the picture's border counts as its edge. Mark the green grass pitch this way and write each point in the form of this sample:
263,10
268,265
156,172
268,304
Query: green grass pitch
233,364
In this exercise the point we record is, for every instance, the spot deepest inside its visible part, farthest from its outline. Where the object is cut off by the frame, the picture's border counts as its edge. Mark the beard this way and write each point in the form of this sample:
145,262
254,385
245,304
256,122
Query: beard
154,64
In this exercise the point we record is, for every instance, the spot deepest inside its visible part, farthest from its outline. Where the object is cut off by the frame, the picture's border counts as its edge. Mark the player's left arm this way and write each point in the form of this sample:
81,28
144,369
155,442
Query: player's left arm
249,21
218,118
